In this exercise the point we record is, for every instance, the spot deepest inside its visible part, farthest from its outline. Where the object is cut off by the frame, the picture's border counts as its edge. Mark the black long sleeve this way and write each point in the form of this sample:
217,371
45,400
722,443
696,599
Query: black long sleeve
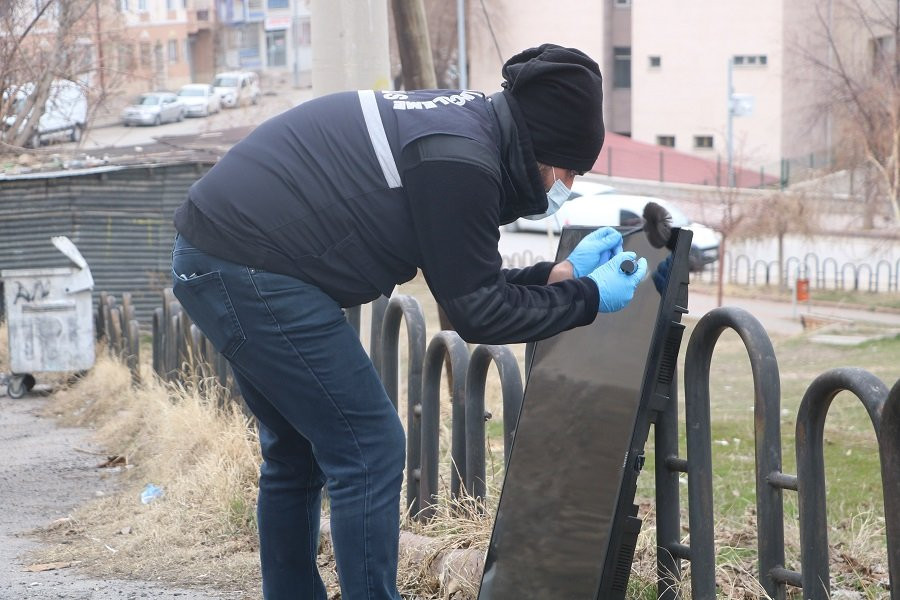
455,211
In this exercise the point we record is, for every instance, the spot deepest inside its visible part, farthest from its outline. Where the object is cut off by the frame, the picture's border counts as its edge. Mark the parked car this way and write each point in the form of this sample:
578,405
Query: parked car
154,108
589,207
237,88
200,99
64,115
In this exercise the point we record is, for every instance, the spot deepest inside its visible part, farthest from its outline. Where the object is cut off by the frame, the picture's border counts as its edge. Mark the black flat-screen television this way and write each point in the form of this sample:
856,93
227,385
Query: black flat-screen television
566,525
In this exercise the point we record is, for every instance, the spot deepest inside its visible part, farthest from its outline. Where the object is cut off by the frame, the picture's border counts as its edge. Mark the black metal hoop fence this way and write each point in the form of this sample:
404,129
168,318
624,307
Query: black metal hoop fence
823,274
180,353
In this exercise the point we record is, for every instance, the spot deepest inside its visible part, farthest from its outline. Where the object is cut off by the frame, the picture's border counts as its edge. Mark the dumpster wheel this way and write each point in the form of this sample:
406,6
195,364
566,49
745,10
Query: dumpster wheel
19,385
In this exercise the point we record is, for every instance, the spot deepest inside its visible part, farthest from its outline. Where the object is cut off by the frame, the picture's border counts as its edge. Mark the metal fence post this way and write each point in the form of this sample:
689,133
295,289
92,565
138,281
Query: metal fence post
511,388
158,341
406,308
767,409
378,306
872,392
889,448
668,503
445,343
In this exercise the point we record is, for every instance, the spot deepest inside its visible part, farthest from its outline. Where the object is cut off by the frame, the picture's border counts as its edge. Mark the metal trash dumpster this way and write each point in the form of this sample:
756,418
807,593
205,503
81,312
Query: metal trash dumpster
50,319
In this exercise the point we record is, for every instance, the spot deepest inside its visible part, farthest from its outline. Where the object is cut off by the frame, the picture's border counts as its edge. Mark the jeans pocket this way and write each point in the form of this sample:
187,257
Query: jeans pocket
207,302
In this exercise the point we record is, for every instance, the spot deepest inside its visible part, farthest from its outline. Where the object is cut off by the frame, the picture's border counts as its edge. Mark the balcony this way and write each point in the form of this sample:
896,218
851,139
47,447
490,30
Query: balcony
200,16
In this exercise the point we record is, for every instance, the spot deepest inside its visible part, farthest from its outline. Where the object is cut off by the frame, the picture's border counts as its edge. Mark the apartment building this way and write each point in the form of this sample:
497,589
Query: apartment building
152,45
667,66
266,35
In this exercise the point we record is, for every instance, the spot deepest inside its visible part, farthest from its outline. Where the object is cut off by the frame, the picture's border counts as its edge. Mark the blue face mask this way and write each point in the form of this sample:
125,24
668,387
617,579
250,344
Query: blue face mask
556,197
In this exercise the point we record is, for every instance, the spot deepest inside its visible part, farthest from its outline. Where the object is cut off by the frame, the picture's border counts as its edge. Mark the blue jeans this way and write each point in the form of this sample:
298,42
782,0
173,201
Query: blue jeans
324,419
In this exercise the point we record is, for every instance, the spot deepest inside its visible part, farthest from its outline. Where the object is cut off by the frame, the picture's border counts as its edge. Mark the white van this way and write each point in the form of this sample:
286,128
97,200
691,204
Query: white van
237,88
64,116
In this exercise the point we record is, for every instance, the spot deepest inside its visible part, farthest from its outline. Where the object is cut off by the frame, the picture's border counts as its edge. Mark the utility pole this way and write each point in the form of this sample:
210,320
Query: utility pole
100,65
295,41
730,133
461,43
414,44
350,45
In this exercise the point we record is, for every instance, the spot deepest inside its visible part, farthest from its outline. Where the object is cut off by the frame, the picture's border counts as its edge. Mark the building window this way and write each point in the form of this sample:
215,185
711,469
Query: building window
622,67
146,55
279,3
126,57
666,140
703,141
173,51
142,5
123,5
304,34
881,48
623,3
276,48
750,60
655,62
84,56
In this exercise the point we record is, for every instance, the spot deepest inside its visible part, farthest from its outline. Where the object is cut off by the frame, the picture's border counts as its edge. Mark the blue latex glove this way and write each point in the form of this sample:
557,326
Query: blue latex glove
617,288
661,274
595,249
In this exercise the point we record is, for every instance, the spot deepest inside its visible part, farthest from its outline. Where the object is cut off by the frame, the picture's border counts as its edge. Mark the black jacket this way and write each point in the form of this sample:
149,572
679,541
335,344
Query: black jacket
355,191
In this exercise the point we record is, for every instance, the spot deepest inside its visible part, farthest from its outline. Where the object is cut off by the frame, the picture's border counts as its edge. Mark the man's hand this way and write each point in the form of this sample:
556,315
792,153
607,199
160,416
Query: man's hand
617,287
594,250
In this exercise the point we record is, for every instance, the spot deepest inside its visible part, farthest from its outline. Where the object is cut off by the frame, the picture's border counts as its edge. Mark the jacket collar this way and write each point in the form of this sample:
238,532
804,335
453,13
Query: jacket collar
522,185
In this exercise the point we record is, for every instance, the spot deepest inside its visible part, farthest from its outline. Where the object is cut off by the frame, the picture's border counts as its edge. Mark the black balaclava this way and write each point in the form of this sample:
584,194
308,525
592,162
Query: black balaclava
560,94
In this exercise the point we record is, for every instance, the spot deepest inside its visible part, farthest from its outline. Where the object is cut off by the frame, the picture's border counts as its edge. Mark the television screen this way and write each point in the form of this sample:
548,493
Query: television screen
566,523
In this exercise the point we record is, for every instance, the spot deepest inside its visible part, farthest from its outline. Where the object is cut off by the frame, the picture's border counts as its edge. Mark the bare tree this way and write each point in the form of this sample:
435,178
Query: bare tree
781,214
724,211
41,42
860,72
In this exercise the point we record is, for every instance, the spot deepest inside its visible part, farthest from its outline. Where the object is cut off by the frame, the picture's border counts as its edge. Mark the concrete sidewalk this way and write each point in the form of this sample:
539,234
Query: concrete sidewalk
783,318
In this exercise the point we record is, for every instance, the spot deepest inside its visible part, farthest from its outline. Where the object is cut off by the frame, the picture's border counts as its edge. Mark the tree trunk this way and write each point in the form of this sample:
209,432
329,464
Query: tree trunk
870,208
720,291
414,44
782,272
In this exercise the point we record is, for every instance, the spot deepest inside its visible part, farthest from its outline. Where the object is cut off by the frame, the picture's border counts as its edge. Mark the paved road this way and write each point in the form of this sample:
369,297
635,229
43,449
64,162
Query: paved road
108,131
779,318
42,478
783,318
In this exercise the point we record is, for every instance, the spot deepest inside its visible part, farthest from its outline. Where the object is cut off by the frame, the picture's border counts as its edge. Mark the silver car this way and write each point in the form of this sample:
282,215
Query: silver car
154,108
200,99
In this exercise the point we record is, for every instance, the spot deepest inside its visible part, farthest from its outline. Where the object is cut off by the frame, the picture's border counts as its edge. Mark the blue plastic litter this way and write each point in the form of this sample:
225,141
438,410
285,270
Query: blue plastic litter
151,492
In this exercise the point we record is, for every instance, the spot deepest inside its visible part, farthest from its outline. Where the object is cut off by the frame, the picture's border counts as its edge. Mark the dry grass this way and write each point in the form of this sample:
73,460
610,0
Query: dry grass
206,460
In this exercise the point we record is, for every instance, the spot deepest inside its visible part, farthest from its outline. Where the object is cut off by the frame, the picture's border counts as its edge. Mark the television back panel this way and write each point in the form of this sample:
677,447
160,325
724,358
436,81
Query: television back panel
566,524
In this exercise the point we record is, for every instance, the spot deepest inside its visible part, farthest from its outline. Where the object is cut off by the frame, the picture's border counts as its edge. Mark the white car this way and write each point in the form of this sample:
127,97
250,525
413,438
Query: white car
237,88
153,108
599,206
200,99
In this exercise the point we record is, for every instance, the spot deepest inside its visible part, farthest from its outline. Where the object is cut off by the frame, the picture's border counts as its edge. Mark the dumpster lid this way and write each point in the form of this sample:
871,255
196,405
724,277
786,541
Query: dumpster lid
65,245
80,279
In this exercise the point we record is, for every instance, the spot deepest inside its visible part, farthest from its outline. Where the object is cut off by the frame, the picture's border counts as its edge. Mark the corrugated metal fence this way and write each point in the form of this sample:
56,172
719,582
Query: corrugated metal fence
120,217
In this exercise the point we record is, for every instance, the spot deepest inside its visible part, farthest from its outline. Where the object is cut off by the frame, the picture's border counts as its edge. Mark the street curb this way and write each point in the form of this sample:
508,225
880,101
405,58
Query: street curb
815,303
